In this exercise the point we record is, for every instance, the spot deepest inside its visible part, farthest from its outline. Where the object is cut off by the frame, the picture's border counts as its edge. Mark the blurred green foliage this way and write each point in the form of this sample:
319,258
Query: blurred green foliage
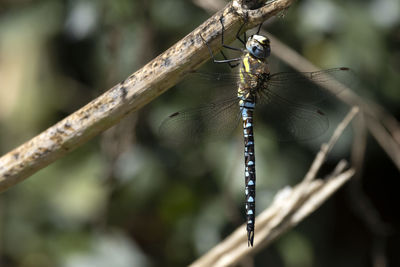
125,199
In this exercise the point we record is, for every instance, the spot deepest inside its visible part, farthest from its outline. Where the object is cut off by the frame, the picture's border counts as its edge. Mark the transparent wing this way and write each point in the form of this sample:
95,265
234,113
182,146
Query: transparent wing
209,121
298,87
308,87
286,102
290,120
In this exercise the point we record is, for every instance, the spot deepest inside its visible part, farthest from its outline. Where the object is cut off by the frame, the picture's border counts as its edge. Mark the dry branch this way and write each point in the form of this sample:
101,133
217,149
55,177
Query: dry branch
291,206
130,95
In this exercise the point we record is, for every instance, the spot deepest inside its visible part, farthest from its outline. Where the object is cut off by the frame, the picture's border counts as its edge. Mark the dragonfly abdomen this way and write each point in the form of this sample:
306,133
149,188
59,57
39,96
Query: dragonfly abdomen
247,107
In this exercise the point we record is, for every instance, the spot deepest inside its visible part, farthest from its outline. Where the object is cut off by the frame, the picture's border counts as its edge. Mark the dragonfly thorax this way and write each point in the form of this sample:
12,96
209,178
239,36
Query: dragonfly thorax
258,46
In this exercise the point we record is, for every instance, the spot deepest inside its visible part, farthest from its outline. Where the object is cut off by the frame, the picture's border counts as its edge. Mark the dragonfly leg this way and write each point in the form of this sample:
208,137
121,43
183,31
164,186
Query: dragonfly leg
259,28
243,41
226,60
244,34
230,64
222,37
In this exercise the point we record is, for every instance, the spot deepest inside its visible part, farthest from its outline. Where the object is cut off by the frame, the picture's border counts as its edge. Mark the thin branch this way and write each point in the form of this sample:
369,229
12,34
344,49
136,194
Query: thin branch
325,148
384,139
130,95
289,208
359,145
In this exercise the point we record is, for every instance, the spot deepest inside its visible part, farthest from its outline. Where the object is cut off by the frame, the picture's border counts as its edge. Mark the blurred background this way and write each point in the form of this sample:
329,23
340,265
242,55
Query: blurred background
127,199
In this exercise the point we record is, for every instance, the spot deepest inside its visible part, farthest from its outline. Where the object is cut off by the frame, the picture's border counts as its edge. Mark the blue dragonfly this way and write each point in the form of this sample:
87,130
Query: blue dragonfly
285,99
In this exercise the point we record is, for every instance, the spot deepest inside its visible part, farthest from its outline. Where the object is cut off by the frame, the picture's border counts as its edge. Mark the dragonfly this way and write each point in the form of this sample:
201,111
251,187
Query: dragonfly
285,98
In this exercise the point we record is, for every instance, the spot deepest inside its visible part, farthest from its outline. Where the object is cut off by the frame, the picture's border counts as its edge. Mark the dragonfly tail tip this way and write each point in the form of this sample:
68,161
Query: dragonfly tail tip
250,238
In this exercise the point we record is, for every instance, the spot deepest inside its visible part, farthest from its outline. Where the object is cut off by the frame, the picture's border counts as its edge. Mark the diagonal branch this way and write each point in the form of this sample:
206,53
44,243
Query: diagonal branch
130,95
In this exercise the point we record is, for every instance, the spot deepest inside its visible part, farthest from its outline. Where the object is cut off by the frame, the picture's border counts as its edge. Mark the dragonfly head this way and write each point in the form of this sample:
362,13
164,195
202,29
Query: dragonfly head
258,46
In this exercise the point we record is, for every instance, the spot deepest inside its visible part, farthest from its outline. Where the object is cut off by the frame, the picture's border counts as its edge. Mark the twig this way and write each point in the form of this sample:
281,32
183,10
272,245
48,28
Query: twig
130,95
289,208
359,144
384,139
321,156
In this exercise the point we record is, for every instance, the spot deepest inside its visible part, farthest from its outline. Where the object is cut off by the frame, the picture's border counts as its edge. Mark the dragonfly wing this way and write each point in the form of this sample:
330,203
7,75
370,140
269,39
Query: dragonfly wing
214,120
212,86
222,78
298,87
308,87
287,101
290,120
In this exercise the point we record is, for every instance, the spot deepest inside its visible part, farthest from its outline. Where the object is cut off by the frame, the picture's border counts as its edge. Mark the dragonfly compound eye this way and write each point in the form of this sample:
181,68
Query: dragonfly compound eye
258,51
